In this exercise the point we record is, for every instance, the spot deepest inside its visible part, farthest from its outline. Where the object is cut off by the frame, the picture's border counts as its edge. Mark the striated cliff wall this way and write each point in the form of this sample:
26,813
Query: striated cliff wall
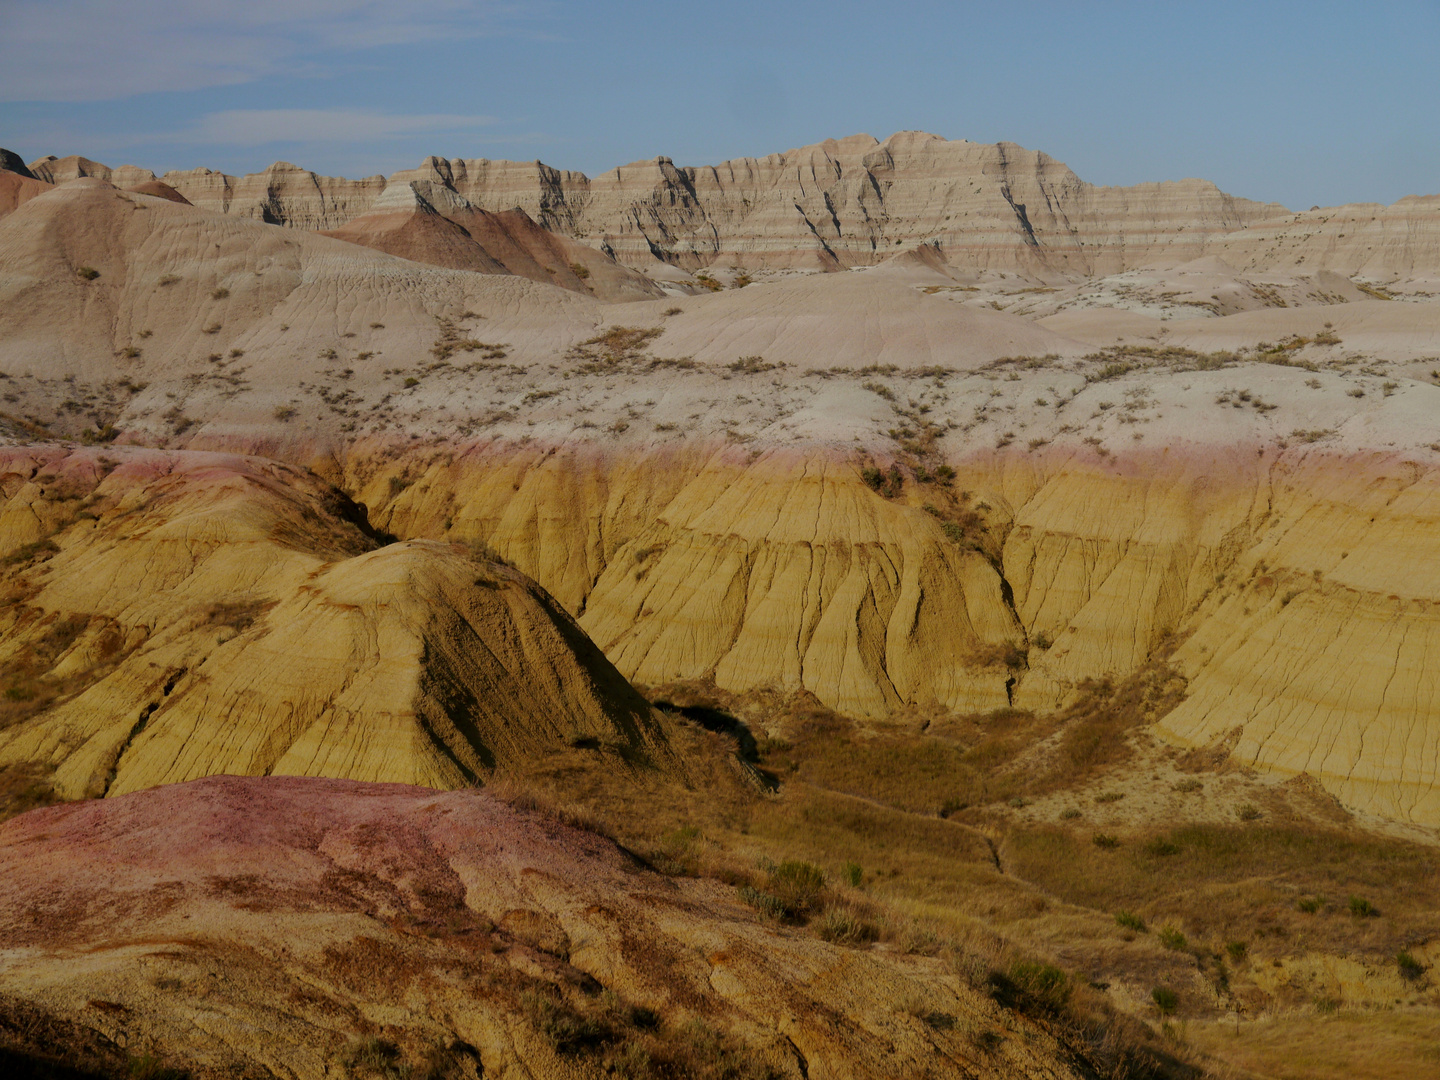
840,203
852,202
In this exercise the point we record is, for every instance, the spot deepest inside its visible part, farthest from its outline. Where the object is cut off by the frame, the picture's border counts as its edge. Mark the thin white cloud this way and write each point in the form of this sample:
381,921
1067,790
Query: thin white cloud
259,127
87,50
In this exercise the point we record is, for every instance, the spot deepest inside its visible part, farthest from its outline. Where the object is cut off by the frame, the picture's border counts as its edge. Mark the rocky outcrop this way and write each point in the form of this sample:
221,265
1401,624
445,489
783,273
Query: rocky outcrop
181,615
13,163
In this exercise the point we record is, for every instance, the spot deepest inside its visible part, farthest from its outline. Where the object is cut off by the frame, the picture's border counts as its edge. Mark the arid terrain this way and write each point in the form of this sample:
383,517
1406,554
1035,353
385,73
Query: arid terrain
882,609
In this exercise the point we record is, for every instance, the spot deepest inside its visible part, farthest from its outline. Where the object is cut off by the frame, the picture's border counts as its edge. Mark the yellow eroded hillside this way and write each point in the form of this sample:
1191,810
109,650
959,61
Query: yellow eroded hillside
1272,570
183,615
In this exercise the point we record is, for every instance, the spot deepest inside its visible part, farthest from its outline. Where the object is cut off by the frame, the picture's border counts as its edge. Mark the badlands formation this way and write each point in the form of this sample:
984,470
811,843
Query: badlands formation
492,470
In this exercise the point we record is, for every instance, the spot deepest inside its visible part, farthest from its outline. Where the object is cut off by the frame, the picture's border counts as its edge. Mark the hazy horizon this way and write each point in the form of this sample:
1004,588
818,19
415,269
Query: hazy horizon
1301,104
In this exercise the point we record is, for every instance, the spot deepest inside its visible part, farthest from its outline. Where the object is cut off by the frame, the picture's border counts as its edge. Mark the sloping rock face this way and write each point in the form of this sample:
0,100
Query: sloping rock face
171,616
430,224
300,916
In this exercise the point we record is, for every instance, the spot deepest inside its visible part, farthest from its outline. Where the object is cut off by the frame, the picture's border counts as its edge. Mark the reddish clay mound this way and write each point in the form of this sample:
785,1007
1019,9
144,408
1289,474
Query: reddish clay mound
15,190
160,190
291,923
443,230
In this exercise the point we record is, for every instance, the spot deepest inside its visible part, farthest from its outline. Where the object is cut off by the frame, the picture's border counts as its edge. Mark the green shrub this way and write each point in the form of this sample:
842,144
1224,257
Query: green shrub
371,1057
1410,968
765,903
1042,984
89,273
1172,939
1310,904
1105,840
1069,814
566,1028
1237,950
220,293
790,892
1161,847
410,381
1166,1000
854,874
1130,921
797,883
1248,813
1362,908
150,1067
843,927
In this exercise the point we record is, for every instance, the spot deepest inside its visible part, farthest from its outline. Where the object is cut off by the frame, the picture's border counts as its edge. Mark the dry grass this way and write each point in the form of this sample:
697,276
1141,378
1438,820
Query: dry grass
1228,883
1370,1045
25,787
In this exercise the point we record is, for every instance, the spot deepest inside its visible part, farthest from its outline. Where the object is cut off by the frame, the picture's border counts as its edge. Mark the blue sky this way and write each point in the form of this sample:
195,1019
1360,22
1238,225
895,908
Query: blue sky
1300,103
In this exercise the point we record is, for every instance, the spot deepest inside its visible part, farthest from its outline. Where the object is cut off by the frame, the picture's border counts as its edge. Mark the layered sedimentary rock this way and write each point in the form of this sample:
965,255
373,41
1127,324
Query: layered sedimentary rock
173,616
55,170
282,194
848,202
852,202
